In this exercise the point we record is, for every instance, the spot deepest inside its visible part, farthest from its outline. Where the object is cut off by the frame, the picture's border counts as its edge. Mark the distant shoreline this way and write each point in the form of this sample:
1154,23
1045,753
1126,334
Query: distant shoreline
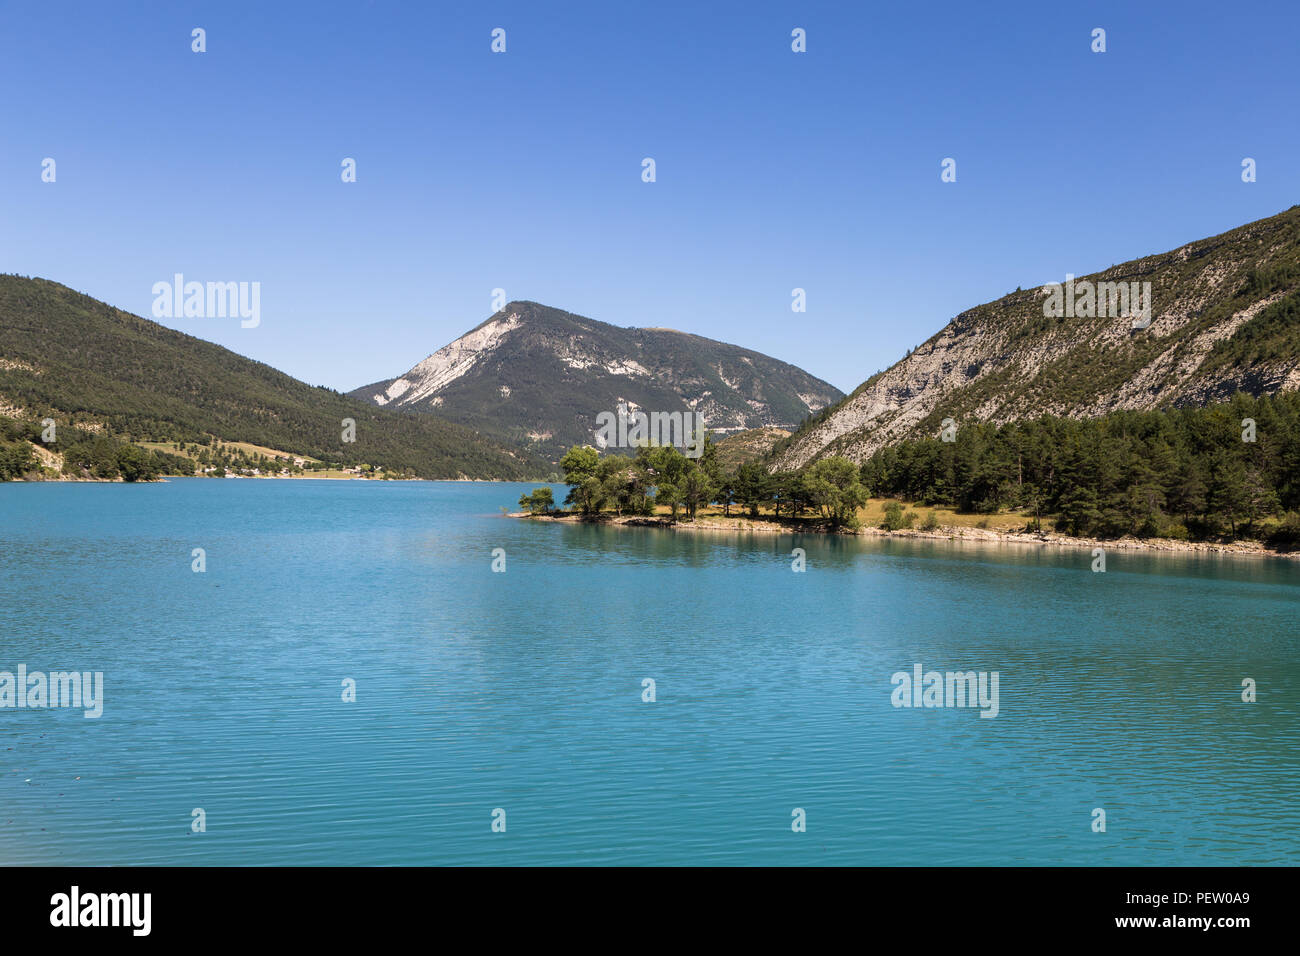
67,479
977,536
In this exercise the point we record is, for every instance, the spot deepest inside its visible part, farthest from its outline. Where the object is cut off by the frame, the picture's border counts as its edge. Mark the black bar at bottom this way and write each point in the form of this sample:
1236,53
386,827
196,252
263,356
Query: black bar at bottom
947,907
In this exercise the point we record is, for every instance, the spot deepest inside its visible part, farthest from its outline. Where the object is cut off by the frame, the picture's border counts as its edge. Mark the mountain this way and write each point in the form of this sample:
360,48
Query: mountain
536,378
80,361
752,445
1224,318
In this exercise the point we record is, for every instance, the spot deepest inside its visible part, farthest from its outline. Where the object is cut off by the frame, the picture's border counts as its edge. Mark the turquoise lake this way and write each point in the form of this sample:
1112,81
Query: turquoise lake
522,690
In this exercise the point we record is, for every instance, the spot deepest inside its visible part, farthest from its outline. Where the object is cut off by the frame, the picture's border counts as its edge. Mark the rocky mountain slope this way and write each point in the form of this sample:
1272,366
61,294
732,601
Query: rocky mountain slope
536,378
1224,318
752,445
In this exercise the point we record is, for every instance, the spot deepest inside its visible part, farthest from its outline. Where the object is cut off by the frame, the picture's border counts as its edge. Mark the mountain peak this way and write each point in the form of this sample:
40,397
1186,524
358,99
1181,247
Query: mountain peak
536,377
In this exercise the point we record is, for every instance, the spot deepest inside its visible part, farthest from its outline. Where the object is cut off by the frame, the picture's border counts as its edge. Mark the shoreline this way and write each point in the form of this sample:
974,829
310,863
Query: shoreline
67,479
977,536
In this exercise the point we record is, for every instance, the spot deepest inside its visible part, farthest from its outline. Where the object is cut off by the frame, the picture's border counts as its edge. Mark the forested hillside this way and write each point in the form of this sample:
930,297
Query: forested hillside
72,358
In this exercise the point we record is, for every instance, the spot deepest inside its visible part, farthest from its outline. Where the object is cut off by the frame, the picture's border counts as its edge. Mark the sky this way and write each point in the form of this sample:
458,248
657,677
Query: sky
522,170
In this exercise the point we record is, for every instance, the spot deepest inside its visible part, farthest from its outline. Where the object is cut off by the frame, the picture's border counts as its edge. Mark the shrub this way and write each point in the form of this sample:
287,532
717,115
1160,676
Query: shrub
1166,527
1286,536
539,502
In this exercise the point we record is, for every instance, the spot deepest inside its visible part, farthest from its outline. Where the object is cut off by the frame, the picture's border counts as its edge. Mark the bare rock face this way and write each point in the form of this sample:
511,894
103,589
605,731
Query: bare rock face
447,364
537,378
1224,317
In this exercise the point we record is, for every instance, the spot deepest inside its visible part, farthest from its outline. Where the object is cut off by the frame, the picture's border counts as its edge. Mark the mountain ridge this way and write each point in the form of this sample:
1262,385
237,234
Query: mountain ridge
1225,318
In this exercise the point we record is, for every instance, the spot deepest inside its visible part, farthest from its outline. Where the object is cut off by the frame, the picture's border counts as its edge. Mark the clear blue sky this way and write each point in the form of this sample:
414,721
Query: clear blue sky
523,170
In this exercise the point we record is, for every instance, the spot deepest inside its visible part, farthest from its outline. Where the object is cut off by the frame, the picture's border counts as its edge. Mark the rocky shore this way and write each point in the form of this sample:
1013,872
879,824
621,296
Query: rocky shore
983,536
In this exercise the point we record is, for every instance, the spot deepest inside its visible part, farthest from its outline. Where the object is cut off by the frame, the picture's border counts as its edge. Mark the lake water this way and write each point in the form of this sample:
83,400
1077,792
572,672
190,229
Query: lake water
523,691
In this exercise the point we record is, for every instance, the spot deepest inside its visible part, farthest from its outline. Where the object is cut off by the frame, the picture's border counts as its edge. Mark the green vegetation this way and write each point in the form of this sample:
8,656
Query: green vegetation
1186,474
833,488
658,478
85,455
16,457
541,501
655,476
895,519
81,362
1182,474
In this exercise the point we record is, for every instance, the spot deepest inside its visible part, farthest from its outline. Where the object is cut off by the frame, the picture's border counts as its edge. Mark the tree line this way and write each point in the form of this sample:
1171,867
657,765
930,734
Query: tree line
1217,472
1221,472
661,476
